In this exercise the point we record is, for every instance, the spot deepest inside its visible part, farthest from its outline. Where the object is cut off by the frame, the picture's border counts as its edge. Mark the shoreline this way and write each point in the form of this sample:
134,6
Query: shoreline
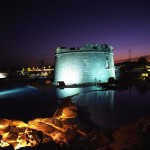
65,130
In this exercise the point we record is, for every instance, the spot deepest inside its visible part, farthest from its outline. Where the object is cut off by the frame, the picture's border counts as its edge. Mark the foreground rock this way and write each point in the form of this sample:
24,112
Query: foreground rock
66,131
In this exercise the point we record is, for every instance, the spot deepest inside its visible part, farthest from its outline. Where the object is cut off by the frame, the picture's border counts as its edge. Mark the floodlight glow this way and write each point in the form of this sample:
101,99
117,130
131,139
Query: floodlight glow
3,75
91,63
69,76
13,91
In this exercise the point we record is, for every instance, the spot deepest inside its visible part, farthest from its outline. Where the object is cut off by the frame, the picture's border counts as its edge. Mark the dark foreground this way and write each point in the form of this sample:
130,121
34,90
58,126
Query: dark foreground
65,130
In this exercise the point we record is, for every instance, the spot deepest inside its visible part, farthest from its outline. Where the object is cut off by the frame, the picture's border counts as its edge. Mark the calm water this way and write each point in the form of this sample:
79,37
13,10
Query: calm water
112,108
26,103
109,109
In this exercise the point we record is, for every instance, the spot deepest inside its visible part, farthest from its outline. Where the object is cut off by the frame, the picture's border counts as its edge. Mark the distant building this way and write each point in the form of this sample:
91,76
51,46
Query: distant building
92,63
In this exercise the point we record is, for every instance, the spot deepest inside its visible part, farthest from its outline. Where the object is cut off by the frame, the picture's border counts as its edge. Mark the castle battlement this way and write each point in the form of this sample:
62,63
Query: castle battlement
86,47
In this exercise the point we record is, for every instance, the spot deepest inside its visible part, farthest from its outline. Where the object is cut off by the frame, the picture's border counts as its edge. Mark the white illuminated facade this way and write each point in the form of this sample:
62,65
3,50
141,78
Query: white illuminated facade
92,63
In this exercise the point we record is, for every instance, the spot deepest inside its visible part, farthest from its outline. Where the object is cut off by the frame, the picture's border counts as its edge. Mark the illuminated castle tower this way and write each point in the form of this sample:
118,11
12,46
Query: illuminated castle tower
91,63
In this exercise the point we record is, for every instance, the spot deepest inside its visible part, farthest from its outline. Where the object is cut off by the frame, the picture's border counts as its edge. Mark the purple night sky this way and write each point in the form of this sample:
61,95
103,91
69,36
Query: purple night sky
30,30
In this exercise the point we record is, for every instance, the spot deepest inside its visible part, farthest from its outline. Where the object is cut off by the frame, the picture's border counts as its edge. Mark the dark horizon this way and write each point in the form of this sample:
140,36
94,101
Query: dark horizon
32,30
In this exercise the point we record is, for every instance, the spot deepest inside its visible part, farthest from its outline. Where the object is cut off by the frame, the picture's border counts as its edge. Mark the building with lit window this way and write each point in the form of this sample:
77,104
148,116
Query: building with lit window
92,63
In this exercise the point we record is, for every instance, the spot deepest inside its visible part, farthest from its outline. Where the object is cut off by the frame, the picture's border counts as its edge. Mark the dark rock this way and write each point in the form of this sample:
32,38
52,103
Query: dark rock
57,122
71,135
133,136
10,147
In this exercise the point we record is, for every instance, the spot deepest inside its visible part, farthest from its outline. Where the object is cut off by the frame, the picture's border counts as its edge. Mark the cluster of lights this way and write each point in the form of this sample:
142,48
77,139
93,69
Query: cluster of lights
44,68
37,71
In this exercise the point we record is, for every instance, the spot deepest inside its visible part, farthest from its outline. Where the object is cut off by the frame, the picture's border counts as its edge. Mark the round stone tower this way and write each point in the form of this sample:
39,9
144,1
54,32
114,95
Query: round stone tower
92,63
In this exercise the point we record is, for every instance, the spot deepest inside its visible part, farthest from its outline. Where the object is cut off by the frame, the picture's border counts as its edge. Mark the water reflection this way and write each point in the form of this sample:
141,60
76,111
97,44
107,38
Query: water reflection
109,108
95,105
65,92
99,105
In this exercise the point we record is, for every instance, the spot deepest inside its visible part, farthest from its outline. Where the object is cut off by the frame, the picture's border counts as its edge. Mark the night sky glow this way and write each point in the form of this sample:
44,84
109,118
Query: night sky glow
31,30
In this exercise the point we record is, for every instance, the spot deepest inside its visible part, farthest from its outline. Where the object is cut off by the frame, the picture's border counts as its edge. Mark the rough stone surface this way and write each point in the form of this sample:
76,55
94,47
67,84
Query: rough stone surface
72,133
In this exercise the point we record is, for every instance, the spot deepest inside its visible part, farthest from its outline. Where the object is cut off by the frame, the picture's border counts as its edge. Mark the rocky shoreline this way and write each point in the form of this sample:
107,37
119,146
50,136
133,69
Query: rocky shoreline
65,130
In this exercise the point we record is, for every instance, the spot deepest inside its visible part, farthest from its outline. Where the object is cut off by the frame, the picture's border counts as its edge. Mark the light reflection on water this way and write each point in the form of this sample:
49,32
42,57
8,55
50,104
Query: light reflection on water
66,92
111,108
15,91
27,102
96,106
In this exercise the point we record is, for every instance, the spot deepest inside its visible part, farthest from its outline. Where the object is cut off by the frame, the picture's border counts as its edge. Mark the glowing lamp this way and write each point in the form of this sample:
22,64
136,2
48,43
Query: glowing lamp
3,75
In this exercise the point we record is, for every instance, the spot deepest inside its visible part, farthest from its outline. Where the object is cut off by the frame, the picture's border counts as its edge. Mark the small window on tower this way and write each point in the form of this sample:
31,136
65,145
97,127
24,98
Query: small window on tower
94,47
107,65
